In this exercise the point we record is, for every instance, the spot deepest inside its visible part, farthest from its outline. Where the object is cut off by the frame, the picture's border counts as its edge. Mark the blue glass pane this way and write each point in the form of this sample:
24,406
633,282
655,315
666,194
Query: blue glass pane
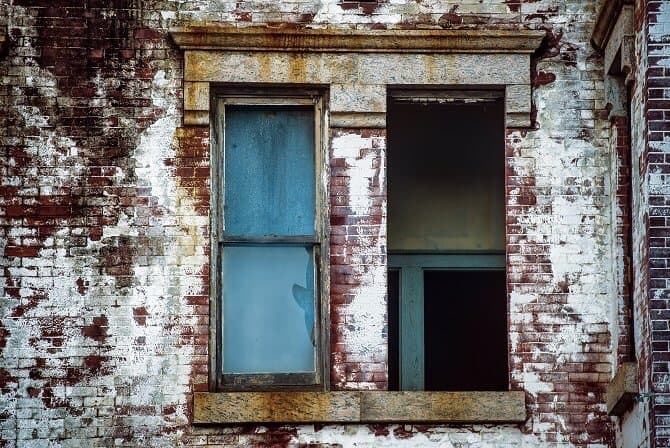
268,309
269,171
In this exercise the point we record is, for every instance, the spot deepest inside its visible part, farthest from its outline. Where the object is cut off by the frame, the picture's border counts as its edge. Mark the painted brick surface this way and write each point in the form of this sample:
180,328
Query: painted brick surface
655,164
105,230
358,259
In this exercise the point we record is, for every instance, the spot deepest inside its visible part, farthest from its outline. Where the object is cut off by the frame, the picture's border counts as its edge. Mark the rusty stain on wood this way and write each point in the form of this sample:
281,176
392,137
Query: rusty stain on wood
337,40
269,407
359,407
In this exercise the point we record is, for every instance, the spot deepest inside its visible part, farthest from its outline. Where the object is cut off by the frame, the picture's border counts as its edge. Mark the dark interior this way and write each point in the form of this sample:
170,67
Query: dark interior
465,330
446,194
446,167
393,327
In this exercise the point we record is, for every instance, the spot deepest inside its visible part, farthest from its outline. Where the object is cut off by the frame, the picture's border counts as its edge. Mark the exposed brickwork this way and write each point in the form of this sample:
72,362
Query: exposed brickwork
657,166
621,188
358,257
105,230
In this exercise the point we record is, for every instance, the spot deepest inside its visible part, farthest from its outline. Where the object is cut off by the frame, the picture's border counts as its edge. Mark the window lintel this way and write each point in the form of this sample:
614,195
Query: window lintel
356,65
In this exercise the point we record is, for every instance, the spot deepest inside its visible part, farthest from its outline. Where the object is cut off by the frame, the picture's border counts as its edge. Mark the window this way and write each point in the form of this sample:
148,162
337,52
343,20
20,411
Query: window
268,242
446,233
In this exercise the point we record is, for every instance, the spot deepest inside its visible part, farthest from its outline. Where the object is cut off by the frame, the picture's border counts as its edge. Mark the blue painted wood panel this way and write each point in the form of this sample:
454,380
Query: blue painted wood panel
269,171
411,329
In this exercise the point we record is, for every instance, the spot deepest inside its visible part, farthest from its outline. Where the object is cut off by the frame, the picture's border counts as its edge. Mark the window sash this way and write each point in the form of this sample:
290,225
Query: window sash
267,157
281,380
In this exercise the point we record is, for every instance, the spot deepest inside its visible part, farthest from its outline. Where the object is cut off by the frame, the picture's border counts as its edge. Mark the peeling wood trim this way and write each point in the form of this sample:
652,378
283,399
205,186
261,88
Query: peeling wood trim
622,389
359,407
218,37
605,22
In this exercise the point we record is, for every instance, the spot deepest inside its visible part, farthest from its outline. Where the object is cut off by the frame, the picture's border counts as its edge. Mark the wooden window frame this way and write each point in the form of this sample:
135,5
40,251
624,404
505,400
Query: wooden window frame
303,381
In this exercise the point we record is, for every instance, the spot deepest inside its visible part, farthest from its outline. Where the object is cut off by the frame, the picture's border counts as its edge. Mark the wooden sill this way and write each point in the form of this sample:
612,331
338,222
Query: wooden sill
622,390
359,407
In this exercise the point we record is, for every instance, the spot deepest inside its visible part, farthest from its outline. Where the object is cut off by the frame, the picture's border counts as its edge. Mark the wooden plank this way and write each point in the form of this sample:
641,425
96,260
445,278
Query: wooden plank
452,407
276,407
448,261
411,329
221,37
359,407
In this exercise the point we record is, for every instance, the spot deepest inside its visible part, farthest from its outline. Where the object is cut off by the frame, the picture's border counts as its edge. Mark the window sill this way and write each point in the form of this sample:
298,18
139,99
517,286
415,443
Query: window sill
359,407
622,389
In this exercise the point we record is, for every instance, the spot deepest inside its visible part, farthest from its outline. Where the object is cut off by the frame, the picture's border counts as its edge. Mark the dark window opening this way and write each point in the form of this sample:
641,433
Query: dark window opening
393,334
446,229
465,331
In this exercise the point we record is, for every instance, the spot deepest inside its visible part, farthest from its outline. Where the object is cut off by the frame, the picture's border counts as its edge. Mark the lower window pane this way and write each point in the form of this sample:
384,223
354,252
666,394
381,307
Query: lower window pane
268,309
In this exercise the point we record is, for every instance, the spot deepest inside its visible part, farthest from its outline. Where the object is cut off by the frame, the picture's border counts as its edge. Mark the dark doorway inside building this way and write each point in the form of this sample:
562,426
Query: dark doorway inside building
446,230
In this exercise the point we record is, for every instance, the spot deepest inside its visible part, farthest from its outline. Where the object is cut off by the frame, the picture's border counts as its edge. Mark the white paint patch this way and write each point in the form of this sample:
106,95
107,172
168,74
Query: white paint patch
364,337
152,152
408,436
659,30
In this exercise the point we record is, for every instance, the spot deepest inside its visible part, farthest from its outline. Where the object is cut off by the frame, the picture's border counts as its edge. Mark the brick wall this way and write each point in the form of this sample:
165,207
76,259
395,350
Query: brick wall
105,227
622,242
657,127
357,257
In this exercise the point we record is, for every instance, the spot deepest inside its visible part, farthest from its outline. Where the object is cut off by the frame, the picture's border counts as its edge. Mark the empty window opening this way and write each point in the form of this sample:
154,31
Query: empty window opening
446,230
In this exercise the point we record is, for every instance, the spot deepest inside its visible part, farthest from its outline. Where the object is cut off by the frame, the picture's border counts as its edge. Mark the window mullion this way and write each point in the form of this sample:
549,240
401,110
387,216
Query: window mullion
411,333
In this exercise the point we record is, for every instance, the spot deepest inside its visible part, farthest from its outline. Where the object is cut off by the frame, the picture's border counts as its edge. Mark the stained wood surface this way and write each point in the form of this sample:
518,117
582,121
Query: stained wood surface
452,407
359,407
623,389
269,407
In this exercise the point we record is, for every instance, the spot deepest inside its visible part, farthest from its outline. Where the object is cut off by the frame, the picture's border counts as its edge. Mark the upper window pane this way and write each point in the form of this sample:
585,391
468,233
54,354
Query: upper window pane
269,171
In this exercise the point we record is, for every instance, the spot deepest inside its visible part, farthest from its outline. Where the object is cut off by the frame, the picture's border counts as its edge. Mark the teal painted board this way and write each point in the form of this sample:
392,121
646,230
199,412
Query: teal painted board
466,261
411,333
269,171
268,309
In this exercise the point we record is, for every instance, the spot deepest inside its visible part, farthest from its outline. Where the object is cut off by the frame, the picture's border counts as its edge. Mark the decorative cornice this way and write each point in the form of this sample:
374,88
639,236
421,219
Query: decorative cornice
609,13
218,37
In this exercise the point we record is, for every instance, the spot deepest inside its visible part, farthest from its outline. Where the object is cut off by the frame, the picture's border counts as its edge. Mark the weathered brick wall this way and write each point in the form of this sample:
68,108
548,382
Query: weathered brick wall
655,164
103,332
620,167
358,259
636,428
